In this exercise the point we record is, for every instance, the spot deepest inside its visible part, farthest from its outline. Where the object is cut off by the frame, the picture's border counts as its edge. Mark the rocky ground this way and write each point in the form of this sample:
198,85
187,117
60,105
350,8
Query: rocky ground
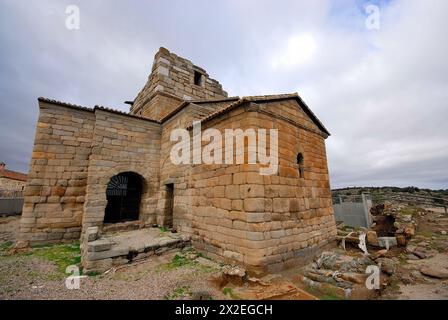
415,268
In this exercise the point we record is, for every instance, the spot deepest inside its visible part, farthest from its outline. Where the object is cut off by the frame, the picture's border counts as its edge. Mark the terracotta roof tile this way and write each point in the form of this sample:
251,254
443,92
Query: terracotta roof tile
14,175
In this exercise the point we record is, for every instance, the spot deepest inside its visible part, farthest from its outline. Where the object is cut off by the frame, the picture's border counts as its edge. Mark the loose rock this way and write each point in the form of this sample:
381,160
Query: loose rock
434,273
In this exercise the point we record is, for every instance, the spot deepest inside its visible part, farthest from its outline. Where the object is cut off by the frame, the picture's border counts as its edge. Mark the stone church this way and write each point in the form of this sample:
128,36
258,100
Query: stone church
106,170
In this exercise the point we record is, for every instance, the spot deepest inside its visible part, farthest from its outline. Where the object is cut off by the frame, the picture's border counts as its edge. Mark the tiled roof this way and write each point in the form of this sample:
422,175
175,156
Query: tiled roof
237,102
214,100
74,106
268,98
14,175
186,103
221,111
299,100
124,114
176,110
272,97
64,104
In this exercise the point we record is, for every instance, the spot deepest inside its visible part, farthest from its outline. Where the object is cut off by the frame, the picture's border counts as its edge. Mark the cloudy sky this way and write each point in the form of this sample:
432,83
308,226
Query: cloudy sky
382,93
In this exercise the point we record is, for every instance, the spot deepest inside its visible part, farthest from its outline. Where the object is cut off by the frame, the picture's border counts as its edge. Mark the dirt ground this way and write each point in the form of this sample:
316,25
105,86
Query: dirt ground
432,240
40,273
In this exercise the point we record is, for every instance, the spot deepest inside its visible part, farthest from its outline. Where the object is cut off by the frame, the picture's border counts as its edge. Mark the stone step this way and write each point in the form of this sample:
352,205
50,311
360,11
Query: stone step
105,253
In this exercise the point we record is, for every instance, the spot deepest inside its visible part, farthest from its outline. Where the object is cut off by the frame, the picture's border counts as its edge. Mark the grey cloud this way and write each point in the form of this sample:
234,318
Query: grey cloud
382,94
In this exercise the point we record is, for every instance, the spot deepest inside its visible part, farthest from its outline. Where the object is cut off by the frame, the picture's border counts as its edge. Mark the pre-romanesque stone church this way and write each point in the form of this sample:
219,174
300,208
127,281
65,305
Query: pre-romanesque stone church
105,170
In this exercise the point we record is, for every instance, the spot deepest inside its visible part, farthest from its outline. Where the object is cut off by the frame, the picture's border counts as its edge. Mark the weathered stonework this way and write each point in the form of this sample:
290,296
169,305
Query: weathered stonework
172,81
11,184
11,181
102,253
231,212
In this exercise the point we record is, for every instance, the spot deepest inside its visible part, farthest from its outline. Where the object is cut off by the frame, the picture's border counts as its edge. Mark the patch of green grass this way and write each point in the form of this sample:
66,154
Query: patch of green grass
5,246
163,229
347,229
330,297
394,284
33,274
61,255
180,292
181,260
410,210
177,262
426,234
229,292
435,245
324,293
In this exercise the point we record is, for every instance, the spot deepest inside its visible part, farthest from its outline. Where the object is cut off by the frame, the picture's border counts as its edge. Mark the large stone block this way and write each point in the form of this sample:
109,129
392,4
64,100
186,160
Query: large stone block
252,191
99,245
254,204
281,205
232,192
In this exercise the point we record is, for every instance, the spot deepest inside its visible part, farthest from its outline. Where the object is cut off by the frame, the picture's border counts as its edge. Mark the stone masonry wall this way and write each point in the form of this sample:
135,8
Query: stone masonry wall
54,195
174,75
122,143
263,222
177,174
11,184
159,106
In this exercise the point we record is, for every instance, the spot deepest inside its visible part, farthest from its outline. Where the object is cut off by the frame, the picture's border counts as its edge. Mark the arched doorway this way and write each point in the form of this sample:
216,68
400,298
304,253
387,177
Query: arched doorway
124,192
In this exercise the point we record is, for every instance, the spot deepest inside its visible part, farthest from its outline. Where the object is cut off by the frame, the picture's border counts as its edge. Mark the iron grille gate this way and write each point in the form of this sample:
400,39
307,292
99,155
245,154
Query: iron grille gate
123,198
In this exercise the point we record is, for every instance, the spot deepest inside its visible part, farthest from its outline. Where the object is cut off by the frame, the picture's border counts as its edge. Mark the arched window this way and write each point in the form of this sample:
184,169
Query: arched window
300,164
123,194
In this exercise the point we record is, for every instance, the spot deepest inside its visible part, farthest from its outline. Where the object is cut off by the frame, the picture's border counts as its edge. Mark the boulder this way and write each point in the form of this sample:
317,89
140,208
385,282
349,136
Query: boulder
409,231
434,273
372,238
420,254
416,275
385,242
388,266
234,275
379,254
205,262
401,240
343,263
358,278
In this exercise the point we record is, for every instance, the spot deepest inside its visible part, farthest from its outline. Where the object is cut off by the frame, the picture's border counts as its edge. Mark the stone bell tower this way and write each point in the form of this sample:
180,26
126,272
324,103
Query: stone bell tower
173,80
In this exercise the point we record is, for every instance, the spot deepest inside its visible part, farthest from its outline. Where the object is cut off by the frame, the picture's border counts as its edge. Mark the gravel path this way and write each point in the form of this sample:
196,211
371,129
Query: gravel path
31,276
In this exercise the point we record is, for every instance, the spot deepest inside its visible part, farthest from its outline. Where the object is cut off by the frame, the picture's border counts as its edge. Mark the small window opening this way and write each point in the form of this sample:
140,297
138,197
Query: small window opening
300,164
197,78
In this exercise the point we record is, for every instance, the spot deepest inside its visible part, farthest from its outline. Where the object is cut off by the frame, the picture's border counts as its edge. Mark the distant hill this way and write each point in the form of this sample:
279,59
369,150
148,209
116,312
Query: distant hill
376,191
